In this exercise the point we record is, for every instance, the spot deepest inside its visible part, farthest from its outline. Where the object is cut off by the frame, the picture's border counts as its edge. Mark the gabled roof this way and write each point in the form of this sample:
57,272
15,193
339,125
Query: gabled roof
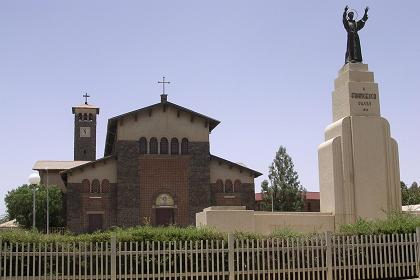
88,163
228,162
112,122
56,164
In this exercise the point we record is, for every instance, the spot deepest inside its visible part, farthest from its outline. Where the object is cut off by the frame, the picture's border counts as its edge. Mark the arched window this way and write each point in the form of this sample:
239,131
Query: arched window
80,116
96,186
85,116
85,186
143,146
105,186
91,117
164,146
174,146
153,146
184,146
228,186
237,186
219,186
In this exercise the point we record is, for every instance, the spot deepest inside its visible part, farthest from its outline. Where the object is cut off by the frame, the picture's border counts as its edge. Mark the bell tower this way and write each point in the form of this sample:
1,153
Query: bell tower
85,131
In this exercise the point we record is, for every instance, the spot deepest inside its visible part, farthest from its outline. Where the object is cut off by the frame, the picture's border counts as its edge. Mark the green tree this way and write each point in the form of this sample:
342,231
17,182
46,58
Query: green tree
410,195
283,185
19,206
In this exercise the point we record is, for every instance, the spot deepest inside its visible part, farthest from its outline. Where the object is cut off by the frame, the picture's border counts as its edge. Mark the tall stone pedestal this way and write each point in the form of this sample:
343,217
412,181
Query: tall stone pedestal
358,162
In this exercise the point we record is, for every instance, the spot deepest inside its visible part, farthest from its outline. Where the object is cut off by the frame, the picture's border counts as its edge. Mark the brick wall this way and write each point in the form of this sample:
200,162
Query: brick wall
164,174
245,196
141,178
79,204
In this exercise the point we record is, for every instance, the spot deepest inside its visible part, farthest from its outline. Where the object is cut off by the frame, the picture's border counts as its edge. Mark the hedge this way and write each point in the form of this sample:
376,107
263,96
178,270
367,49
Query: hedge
395,223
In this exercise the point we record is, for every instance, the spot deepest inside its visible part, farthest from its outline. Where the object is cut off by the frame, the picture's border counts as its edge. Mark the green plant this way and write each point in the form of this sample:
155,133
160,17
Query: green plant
396,222
19,206
283,191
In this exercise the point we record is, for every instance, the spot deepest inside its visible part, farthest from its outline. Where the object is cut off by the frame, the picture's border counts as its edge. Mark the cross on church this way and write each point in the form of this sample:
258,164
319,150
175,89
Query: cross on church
163,84
86,96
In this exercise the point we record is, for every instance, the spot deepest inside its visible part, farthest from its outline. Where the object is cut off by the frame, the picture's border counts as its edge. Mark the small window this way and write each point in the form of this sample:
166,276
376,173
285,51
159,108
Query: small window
219,186
184,146
105,186
164,146
85,116
174,146
237,186
91,117
85,186
228,186
153,146
96,186
143,146
80,116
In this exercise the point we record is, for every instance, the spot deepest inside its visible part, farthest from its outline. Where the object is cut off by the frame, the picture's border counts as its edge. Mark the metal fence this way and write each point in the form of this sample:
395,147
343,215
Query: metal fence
319,257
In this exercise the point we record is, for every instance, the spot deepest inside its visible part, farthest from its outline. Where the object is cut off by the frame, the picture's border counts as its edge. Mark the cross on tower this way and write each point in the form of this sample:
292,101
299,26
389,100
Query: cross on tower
86,96
163,84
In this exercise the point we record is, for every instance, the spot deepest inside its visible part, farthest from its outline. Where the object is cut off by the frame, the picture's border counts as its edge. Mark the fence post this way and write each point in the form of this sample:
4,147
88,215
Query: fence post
1,256
418,251
113,257
328,236
231,256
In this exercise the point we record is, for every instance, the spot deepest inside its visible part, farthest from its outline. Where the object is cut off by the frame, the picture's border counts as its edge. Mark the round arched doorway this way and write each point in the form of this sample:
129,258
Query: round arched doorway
164,210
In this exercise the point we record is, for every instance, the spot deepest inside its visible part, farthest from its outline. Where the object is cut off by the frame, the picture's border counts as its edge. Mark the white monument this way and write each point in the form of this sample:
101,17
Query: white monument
359,172
358,162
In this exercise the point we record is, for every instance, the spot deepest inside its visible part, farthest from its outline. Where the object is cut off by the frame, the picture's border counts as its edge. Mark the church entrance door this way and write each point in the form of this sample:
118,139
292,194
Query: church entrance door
164,216
164,210
95,222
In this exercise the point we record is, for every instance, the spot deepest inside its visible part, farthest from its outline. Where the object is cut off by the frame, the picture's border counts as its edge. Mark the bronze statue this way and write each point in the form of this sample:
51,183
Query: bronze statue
354,51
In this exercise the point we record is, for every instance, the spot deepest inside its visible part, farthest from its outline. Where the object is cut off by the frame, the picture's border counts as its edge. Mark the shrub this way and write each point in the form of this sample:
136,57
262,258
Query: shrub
129,234
396,222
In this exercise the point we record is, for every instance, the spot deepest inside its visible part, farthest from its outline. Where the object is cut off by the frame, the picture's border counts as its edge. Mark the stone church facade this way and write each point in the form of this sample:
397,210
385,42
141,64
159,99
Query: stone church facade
157,169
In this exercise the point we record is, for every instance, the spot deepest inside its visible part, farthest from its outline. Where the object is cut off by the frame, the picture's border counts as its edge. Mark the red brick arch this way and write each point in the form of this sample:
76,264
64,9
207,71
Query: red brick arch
237,186
105,186
228,186
85,186
96,186
219,187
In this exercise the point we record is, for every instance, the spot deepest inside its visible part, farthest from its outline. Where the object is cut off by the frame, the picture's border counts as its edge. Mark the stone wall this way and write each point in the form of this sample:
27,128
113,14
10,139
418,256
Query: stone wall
128,195
245,196
199,178
85,147
80,203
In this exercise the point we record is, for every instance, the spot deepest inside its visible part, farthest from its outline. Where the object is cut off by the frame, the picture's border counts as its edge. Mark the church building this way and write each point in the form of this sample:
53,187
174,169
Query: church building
157,169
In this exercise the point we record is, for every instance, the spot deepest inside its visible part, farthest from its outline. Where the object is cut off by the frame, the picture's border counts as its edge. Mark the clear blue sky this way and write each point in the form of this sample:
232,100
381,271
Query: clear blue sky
265,69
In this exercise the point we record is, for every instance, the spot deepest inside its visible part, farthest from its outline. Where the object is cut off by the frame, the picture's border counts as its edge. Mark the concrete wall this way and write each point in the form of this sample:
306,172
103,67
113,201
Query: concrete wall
162,122
224,172
54,178
105,169
231,219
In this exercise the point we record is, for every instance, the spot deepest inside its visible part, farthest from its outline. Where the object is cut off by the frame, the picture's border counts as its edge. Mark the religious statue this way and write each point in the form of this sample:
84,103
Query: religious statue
354,51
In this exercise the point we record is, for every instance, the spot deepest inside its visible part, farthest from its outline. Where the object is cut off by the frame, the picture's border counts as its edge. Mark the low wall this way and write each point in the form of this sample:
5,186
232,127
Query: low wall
231,219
